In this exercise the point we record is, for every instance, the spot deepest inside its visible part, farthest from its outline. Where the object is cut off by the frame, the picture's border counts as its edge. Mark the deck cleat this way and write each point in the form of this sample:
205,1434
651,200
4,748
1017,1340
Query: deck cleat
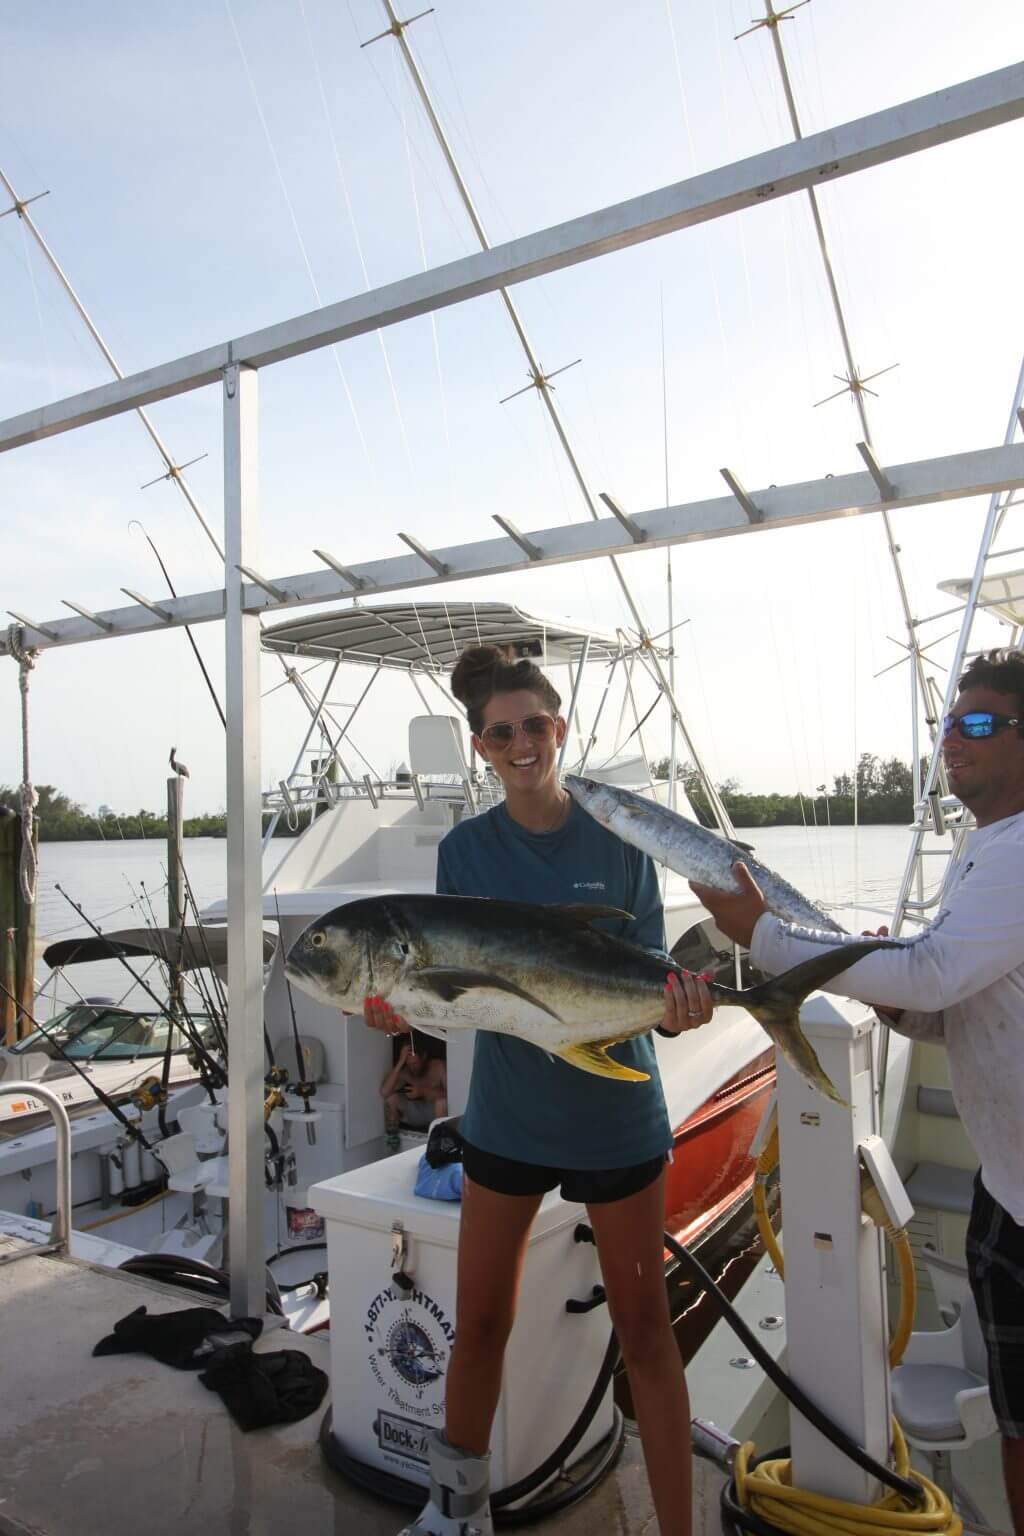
459,1502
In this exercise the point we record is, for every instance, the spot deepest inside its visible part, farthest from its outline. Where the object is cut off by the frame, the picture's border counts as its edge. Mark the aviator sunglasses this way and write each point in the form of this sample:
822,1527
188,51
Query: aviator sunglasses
502,733
977,724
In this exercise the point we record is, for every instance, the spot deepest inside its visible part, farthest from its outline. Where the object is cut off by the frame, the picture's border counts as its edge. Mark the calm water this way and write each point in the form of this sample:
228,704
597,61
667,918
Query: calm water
119,883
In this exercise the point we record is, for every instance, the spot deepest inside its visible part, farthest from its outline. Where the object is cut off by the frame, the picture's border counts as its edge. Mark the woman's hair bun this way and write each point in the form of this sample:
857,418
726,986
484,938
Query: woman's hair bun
475,669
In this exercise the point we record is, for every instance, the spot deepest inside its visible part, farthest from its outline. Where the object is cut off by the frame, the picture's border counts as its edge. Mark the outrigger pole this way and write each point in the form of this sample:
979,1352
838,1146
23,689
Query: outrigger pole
855,384
174,470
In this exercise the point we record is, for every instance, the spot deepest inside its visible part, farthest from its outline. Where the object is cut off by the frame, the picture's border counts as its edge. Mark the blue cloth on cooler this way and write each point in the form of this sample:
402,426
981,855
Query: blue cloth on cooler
439,1183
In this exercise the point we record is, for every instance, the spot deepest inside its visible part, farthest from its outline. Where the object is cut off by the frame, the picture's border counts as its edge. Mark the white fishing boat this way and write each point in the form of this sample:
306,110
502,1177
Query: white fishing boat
239,1164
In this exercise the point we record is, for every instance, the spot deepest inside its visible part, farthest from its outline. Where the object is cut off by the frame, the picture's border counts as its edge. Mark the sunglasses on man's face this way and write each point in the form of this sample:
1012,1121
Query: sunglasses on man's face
502,733
978,724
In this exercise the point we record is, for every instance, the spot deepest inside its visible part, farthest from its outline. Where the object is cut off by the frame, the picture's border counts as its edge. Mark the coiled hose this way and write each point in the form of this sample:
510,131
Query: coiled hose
761,1497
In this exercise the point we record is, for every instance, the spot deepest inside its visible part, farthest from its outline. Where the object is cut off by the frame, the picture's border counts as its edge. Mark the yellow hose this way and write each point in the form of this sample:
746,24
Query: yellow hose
767,1491
766,1165
120,1215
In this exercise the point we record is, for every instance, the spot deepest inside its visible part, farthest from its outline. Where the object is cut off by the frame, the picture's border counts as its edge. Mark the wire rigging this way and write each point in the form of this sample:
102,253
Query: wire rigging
295,226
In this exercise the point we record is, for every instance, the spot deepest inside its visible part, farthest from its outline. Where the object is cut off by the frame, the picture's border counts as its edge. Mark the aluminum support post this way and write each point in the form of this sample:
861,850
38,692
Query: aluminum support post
835,1277
245,879
574,700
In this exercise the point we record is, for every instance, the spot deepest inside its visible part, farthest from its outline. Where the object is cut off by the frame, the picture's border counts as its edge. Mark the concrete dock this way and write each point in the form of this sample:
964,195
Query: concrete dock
119,1444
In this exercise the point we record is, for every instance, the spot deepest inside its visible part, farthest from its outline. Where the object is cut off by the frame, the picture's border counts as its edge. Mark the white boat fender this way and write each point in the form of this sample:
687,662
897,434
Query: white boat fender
460,1485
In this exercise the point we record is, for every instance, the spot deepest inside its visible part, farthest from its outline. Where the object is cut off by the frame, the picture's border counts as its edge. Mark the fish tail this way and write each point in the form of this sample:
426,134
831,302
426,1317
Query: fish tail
776,1003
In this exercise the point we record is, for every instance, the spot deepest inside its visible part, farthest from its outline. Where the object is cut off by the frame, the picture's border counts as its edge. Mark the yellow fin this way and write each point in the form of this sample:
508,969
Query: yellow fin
595,1058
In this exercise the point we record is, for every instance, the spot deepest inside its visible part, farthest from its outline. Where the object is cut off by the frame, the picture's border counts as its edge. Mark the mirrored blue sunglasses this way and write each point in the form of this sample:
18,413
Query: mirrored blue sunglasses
978,724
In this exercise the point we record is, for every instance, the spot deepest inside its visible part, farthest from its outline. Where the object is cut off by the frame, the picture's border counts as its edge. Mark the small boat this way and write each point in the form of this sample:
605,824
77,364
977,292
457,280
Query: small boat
117,1048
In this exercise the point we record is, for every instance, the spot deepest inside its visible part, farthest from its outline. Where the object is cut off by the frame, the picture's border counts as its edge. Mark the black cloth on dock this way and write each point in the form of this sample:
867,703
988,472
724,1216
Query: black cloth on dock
187,1340
277,1387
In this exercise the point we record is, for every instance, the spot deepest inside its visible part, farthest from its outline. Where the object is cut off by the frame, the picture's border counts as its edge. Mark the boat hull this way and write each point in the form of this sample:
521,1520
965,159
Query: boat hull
711,1169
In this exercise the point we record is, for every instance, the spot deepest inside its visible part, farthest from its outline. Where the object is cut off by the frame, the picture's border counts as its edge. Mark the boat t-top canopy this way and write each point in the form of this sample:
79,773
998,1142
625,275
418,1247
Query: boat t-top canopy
1000,594
431,636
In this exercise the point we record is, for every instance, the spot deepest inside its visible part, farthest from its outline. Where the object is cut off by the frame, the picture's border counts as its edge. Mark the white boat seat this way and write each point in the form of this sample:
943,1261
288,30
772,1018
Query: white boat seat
924,1400
949,1282
314,1059
940,1390
936,1101
436,745
216,1182
942,1188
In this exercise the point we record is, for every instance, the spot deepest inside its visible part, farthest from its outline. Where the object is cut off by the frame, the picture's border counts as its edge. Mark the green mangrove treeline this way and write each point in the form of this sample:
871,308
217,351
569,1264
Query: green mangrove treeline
884,794
61,820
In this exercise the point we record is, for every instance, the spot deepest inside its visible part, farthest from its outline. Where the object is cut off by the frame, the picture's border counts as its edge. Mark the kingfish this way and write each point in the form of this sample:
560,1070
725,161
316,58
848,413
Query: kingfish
544,974
690,849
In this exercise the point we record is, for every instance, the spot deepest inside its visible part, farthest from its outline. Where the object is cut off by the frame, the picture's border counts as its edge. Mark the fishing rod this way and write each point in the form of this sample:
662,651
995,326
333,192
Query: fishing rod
131,1126
304,1089
277,1075
198,983
213,1071
217,1017
188,631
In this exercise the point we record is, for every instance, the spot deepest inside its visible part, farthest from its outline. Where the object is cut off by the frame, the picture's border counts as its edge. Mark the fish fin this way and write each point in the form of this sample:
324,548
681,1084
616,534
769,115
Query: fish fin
775,1004
449,982
594,1058
586,912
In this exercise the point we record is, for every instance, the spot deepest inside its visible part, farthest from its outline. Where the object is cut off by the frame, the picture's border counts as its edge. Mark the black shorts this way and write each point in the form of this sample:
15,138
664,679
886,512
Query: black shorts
583,1186
995,1265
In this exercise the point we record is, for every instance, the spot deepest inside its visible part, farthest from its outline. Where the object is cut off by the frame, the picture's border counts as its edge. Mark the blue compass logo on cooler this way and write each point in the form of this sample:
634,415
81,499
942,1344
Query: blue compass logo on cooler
412,1353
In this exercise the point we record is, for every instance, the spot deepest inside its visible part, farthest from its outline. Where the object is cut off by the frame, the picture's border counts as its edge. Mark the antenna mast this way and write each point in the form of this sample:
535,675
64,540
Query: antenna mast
854,382
174,470
541,382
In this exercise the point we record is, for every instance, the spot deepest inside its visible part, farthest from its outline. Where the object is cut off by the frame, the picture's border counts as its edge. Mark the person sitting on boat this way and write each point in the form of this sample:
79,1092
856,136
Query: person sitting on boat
962,981
534,1123
415,1092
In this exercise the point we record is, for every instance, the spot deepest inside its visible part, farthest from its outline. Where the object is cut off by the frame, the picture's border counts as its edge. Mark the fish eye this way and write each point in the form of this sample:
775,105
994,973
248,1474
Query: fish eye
318,939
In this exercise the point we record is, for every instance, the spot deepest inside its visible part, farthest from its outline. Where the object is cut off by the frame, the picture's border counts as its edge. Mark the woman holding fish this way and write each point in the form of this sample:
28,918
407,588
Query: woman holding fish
533,1122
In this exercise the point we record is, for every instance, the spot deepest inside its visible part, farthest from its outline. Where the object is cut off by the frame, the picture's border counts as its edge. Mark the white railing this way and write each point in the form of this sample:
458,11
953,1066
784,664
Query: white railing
60,1228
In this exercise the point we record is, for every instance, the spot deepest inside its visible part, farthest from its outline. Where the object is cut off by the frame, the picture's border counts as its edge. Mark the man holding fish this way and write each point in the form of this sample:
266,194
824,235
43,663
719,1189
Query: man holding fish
960,980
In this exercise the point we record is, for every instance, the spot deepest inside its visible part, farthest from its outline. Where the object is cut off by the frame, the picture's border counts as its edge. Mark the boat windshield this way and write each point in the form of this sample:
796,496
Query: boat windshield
87,1031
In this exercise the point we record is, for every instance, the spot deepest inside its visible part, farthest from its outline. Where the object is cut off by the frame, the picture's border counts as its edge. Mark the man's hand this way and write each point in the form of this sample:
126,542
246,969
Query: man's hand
688,1003
380,1015
892,1014
735,913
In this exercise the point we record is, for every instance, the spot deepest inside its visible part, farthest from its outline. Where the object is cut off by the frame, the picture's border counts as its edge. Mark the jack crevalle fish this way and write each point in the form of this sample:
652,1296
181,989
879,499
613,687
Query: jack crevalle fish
541,973
690,849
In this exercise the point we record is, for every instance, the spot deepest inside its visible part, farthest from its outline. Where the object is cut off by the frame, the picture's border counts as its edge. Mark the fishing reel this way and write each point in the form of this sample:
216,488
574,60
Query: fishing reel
275,1099
149,1094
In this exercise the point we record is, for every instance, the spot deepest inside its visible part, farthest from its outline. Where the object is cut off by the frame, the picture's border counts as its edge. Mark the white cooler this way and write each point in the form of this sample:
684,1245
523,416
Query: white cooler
390,1347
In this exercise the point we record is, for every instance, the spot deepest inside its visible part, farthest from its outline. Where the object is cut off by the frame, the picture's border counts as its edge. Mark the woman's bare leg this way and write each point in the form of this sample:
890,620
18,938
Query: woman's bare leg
629,1244
492,1246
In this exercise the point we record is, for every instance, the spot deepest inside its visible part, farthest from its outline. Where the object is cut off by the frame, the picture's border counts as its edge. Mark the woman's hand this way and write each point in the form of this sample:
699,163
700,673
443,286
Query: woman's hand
688,1003
380,1015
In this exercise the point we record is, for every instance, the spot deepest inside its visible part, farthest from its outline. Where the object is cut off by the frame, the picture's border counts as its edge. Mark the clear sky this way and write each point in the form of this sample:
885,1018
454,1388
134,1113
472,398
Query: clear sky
214,166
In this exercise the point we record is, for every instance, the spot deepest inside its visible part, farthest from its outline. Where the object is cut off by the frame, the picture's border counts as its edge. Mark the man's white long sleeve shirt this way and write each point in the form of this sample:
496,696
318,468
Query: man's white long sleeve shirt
962,980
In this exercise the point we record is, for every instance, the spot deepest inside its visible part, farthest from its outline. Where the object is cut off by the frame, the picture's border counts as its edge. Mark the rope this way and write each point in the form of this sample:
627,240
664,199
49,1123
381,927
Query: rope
25,656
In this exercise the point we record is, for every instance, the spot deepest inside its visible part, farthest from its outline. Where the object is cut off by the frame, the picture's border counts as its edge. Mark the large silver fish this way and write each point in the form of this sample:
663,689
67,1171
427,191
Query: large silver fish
541,973
690,849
